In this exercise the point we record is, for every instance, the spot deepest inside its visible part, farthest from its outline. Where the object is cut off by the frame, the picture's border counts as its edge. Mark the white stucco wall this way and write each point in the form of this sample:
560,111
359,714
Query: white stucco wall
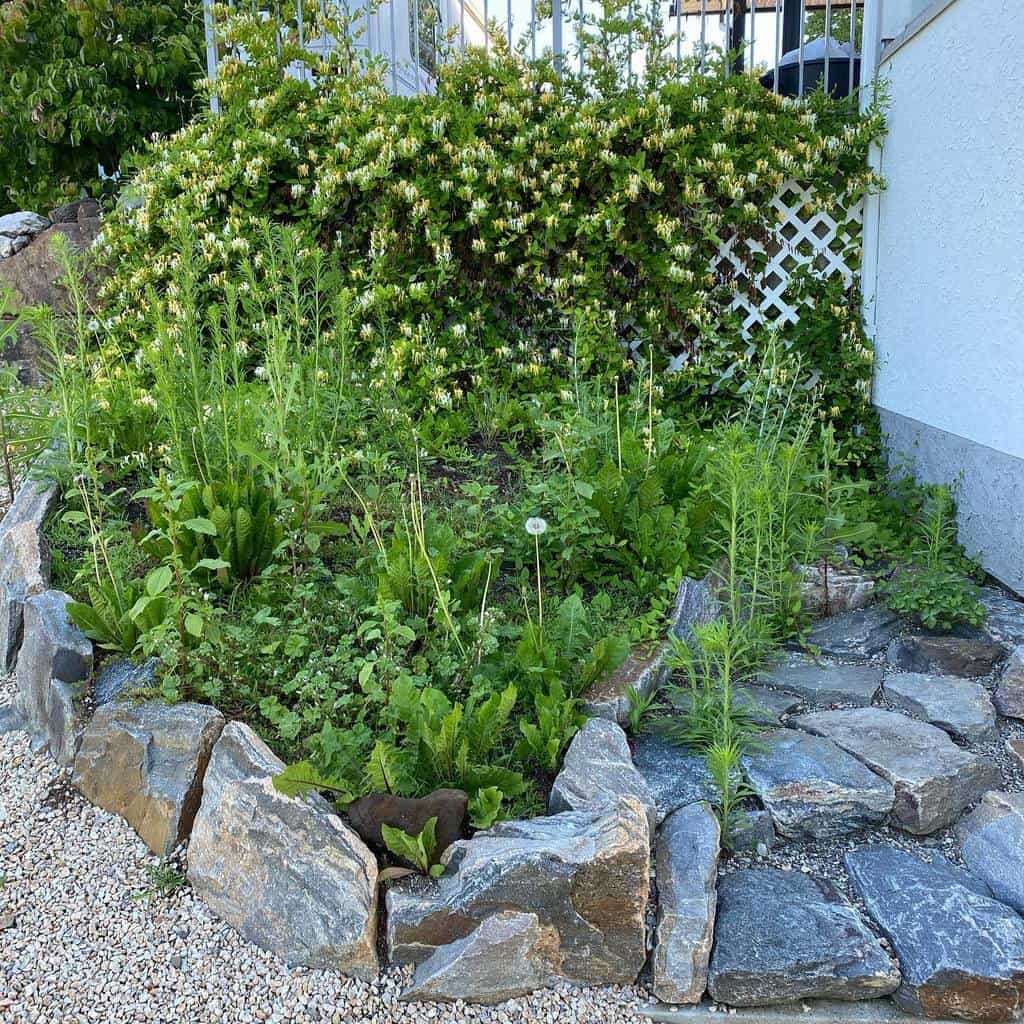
948,293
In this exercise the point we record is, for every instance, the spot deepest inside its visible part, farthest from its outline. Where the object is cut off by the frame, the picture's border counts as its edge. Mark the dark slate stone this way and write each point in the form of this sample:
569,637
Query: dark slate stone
119,677
695,606
1005,622
11,719
823,682
1009,695
857,634
935,780
961,953
813,788
675,777
963,708
992,845
781,936
945,655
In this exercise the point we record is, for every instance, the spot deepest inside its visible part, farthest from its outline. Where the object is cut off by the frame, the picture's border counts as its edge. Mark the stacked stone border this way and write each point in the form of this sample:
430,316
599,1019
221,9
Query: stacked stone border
566,897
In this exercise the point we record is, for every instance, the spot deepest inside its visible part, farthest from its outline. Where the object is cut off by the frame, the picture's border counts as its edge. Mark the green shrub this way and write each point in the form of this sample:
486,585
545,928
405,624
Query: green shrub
83,83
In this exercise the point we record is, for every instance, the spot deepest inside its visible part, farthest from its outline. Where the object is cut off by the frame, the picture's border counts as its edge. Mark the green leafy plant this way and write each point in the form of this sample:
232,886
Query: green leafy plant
639,710
558,718
165,879
933,586
418,850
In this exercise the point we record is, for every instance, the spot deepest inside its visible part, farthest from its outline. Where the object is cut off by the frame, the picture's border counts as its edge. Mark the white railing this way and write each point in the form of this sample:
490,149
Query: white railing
793,44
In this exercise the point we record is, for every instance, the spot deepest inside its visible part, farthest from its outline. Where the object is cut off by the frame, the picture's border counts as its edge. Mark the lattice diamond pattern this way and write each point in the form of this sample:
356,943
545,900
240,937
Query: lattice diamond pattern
805,235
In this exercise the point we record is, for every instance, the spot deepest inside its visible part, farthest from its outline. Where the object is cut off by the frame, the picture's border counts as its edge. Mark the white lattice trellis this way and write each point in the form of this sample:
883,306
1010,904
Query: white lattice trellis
806,234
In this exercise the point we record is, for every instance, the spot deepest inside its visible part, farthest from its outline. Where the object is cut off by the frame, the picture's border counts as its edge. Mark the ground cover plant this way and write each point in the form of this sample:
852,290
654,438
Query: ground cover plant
372,438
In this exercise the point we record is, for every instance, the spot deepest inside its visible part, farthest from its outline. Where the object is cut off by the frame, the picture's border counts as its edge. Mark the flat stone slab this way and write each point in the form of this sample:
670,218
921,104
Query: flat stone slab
1009,695
964,709
286,873
146,762
675,777
811,1011
1015,748
992,845
933,778
1005,622
863,633
687,868
643,671
961,953
507,955
822,682
598,769
121,677
945,655
813,788
583,873
781,936
766,706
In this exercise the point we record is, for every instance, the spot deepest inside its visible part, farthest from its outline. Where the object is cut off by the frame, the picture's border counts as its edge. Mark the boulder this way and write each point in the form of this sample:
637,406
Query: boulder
833,590
696,605
644,671
1015,748
286,873
583,873
813,788
962,708
934,779
72,213
14,225
961,952
781,936
410,814
11,719
992,845
598,769
675,777
122,678
24,561
146,762
824,682
686,869
54,663
507,955
945,655
1005,616
857,634
1009,695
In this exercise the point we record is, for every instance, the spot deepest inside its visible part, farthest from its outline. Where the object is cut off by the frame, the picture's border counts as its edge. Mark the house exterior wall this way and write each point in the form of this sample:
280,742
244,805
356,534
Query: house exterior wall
946,294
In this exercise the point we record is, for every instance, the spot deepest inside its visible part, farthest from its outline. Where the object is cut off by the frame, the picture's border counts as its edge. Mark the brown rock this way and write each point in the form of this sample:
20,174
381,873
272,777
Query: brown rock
834,589
33,274
410,815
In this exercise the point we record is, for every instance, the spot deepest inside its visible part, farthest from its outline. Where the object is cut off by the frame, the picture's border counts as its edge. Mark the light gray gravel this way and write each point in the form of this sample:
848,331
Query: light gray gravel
84,948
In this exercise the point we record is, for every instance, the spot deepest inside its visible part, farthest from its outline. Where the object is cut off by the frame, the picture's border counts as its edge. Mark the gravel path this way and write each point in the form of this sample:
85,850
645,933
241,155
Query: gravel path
79,943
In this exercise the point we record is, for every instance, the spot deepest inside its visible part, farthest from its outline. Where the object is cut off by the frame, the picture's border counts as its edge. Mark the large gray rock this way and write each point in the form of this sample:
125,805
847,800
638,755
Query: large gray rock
146,762
962,708
286,873
598,769
945,655
813,788
696,605
122,677
992,845
832,590
507,955
781,936
675,776
583,873
53,665
858,634
961,952
687,868
1009,695
24,561
824,682
14,225
934,779
644,671
1005,622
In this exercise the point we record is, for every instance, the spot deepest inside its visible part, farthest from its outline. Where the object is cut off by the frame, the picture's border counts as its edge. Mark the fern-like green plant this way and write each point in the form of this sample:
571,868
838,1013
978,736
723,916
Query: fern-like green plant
419,850
558,719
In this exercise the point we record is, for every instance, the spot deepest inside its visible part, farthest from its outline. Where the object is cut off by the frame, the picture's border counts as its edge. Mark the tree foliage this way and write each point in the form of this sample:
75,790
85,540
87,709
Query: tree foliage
82,82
